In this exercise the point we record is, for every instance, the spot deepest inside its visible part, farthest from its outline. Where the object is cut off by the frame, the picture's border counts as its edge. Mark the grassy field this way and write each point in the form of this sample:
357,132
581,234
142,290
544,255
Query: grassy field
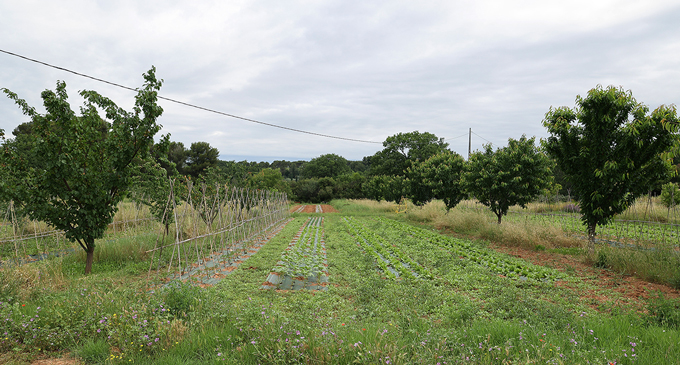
478,307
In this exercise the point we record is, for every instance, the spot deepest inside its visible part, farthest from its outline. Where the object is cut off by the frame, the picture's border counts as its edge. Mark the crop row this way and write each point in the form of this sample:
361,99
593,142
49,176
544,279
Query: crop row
303,263
391,260
498,263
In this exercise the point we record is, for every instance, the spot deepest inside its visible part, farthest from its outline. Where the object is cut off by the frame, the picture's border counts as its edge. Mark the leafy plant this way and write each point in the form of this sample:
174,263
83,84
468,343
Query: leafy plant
512,175
610,150
670,195
85,161
181,299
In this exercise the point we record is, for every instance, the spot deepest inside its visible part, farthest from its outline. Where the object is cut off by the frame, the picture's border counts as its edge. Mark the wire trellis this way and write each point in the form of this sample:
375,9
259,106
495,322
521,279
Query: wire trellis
645,223
23,240
215,228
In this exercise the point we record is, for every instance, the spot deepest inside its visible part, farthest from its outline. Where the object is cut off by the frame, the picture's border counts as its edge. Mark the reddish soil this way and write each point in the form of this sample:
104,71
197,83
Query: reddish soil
628,289
325,208
62,361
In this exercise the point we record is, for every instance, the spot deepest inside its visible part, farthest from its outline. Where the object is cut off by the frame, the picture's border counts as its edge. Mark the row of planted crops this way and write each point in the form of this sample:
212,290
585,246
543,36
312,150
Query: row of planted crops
387,240
391,244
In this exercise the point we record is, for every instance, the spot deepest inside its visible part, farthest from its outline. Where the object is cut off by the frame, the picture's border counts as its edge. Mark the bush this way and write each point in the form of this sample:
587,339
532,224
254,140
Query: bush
663,311
181,299
670,195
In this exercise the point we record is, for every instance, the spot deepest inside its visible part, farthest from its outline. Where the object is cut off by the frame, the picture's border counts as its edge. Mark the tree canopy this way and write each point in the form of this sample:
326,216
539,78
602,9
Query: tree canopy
329,165
403,150
177,154
512,175
611,150
85,161
268,179
438,177
383,187
199,157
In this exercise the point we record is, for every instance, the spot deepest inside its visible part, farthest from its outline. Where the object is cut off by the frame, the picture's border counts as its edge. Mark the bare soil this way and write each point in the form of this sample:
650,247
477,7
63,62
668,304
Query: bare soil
57,361
607,288
311,208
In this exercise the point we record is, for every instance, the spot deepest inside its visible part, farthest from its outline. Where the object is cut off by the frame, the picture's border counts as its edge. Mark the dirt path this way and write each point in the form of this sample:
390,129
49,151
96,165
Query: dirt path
312,208
628,289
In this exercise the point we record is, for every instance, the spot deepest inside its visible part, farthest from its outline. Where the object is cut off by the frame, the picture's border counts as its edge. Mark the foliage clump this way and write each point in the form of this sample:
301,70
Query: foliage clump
670,195
512,175
79,167
611,150
438,177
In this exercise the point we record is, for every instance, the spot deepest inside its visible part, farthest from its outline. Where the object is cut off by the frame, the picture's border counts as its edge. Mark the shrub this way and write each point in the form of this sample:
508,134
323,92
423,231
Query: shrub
670,195
664,311
181,298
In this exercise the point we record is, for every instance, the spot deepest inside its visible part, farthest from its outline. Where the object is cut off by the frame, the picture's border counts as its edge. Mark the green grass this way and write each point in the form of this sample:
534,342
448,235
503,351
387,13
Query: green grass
467,313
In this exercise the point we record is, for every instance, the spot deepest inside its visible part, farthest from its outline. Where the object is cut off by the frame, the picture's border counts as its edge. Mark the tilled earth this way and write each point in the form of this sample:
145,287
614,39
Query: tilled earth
312,208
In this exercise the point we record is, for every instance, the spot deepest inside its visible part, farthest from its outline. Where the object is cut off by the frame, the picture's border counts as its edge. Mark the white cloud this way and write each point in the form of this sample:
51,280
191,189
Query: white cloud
355,69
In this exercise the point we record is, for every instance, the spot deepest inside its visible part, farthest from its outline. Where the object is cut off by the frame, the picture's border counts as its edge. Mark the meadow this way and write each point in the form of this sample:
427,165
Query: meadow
419,287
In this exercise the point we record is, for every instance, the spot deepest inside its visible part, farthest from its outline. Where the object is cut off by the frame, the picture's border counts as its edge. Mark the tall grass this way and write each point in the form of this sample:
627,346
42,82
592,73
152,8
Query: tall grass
480,224
364,206
658,265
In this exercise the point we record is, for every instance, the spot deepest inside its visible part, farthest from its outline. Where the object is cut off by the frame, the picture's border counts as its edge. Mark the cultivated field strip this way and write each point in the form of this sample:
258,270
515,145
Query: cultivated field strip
391,260
496,262
211,269
303,264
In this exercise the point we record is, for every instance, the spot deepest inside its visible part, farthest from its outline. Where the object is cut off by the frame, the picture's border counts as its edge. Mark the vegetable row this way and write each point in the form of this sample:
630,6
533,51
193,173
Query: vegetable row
464,249
390,259
303,263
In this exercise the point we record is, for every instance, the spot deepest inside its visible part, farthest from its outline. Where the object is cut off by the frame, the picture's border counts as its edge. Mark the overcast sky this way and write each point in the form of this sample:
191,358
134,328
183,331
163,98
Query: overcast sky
354,69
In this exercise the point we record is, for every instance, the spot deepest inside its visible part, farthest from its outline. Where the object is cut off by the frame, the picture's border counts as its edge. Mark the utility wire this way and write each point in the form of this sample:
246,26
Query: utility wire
188,104
482,137
462,135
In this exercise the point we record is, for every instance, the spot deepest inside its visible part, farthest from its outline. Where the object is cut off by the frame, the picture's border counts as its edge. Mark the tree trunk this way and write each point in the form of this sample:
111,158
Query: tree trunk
591,237
90,257
499,215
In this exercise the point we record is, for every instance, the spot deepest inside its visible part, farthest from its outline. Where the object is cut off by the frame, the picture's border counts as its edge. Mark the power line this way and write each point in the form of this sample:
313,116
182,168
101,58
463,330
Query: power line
462,135
188,104
482,137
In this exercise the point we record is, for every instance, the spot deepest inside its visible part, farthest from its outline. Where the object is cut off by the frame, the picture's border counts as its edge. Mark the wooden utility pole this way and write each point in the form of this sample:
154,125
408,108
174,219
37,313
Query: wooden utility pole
469,143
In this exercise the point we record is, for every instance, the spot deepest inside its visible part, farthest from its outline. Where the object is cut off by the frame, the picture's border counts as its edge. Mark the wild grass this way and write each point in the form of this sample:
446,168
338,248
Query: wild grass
660,264
364,206
481,224
466,314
